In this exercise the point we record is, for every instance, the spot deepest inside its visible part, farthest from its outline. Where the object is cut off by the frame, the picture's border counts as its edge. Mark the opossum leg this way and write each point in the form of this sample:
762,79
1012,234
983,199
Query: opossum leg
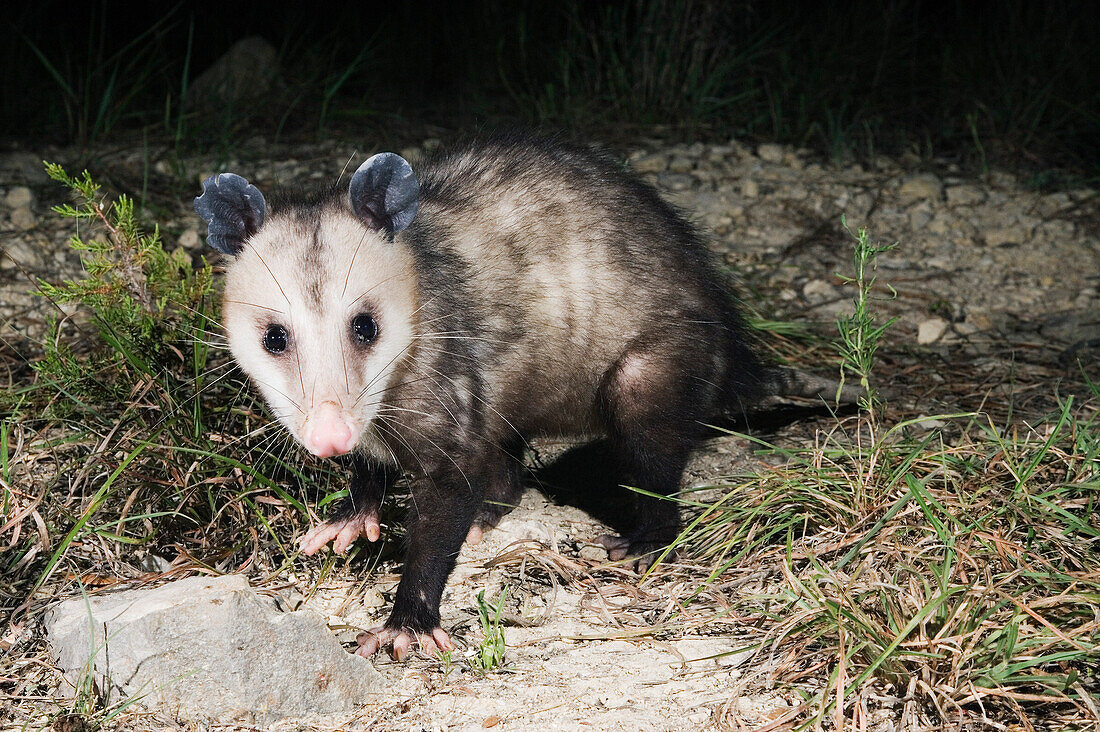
656,397
502,492
357,515
441,513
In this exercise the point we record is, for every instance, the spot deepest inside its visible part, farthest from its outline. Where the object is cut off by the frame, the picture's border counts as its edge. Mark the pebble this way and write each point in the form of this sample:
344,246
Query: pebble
650,163
819,290
190,239
22,252
919,218
675,181
964,195
921,186
931,330
770,152
593,553
1004,236
23,218
681,164
750,188
19,197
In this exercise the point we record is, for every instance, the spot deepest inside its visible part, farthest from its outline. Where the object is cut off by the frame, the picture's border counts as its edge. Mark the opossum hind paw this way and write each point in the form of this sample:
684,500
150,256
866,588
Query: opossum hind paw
402,640
645,553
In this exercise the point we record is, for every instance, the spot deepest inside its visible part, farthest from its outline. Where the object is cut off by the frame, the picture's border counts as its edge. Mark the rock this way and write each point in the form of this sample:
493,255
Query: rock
816,291
24,252
931,330
592,553
920,187
964,195
1005,236
928,423
941,223
770,152
650,162
23,218
919,217
681,164
190,240
247,73
25,166
19,197
675,181
750,188
209,648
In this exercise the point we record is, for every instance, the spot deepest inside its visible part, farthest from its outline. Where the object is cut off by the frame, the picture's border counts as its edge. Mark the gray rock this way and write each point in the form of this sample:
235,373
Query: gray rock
23,218
681,164
1004,236
247,73
964,195
931,330
209,648
816,291
190,240
22,251
919,218
770,152
26,166
650,162
19,197
675,181
750,188
921,187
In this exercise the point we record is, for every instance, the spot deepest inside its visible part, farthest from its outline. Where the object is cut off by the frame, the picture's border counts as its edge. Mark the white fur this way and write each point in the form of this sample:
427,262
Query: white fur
266,284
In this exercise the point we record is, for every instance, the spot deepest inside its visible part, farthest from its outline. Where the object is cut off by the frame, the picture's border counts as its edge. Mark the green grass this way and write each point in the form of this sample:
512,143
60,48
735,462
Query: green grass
489,654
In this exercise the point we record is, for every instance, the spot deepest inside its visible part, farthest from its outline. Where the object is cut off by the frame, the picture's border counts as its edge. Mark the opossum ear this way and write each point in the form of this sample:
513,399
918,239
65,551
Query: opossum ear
234,209
384,192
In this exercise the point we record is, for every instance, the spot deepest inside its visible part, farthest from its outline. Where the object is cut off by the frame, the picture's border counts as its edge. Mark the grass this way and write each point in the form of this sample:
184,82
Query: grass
489,654
954,573
910,75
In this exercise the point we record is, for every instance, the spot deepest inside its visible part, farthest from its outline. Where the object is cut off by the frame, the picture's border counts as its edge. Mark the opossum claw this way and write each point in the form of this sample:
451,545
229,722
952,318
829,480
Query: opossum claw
341,532
431,644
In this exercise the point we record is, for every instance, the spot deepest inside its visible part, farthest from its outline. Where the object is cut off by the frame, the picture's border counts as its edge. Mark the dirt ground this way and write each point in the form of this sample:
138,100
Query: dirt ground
993,277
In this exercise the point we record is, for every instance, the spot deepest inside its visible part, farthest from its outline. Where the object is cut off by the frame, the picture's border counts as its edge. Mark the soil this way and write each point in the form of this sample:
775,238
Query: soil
991,278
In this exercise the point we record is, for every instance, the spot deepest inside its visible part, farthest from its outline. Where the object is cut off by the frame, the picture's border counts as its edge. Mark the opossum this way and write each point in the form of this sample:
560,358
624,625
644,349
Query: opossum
432,323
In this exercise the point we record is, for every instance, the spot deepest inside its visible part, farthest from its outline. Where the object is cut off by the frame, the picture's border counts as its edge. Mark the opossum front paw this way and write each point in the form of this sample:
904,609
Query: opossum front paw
645,551
431,643
342,532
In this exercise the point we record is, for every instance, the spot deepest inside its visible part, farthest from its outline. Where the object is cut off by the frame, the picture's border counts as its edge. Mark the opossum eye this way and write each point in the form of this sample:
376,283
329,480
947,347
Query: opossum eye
363,328
275,339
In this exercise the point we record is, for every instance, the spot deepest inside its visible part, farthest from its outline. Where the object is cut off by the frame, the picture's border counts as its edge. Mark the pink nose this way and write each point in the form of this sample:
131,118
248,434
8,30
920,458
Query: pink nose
327,432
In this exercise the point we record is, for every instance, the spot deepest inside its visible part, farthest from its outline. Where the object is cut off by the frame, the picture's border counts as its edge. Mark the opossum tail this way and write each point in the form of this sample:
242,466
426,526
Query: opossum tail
779,381
752,381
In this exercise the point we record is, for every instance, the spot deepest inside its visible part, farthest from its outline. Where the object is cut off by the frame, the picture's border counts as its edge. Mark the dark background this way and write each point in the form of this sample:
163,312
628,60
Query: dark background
1003,82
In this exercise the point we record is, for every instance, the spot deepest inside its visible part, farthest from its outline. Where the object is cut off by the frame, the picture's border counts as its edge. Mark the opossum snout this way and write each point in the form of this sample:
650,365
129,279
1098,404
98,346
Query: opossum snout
327,432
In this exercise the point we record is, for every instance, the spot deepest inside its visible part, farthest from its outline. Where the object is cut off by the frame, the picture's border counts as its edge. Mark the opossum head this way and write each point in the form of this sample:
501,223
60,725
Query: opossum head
320,300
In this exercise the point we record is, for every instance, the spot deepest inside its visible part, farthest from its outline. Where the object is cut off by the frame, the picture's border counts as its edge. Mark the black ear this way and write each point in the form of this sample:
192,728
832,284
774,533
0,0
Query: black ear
384,192
233,207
